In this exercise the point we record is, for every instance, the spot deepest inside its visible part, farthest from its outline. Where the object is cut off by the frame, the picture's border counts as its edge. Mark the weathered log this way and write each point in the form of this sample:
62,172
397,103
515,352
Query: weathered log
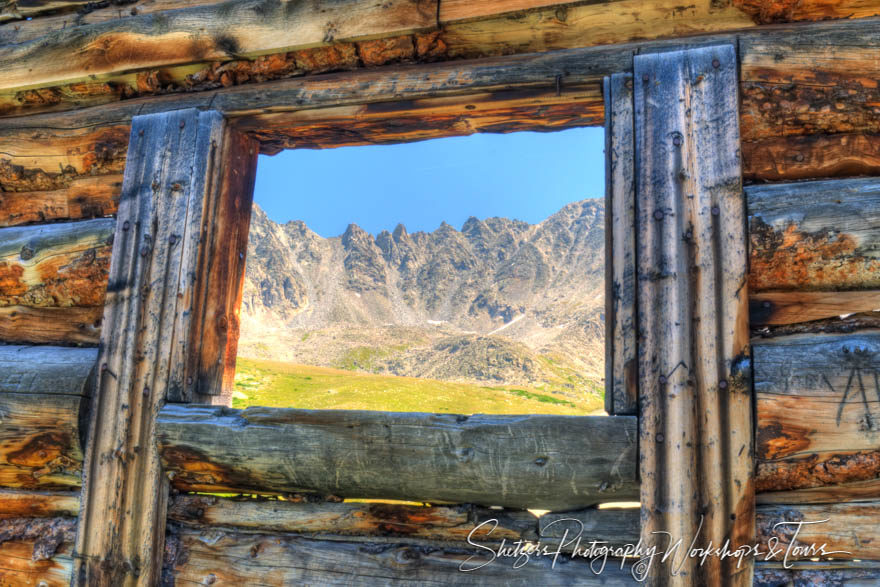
85,197
43,399
545,462
20,324
16,503
847,531
175,236
695,422
444,523
817,235
808,574
205,33
621,361
36,551
614,527
818,410
794,307
840,493
270,559
811,157
55,265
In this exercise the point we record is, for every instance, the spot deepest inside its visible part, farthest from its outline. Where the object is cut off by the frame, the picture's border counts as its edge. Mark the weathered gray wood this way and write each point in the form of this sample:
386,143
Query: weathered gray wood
850,529
544,462
448,524
43,402
797,307
817,235
818,410
621,362
227,558
837,573
164,251
695,426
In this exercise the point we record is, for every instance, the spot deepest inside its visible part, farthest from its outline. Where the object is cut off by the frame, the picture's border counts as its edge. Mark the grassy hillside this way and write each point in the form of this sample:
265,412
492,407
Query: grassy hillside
276,384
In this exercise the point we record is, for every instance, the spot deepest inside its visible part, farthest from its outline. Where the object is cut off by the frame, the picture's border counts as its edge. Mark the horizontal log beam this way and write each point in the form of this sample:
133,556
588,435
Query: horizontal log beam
818,235
795,307
36,551
818,410
843,492
43,398
231,558
21,324
545,462
851,529
769,574
55,265
84,197
218,32
38,504
443,523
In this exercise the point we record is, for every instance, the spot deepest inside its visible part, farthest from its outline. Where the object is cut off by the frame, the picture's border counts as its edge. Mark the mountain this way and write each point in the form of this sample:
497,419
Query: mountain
499,301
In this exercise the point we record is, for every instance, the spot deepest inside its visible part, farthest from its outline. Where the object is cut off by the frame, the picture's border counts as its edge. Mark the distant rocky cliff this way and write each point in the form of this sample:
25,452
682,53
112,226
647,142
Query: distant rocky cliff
498,301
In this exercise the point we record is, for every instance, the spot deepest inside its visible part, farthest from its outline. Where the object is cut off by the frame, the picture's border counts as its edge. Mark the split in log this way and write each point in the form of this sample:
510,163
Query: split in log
847,531
85,197
55,265
818,410
795,307
815,235
543,462
21,324
38,504
229,558
219,32
451,524
43,397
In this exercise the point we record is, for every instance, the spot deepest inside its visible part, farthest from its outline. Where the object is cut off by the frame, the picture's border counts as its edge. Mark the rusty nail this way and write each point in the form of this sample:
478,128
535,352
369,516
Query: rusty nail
659,438
658,215
176,187
689,235
126,225
172,239
716,210
146,390
104,367
145,250
118,453
676,140
155,185
189,380
182,123
27,253
716,64
767,304
722,384
558,84
662,379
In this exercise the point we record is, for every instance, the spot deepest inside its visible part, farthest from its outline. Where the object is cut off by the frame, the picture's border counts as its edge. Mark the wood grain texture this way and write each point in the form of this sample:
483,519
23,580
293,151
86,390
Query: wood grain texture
16,503
36,551
841,493
43,401
451,524
852,530
818,410
818,235
545,462
795,307
163,230
66,326
55,265
229,558
621,360
695,425
817,574
85,197
216,32
811,157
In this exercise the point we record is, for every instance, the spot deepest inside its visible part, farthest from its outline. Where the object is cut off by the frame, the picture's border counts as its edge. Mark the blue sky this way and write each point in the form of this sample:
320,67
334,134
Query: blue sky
523,175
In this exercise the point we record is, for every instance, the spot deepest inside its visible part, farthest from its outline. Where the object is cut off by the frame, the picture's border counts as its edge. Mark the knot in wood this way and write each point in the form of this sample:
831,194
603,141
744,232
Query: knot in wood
27,253
722,384
658,214
541,461
212,578
175,187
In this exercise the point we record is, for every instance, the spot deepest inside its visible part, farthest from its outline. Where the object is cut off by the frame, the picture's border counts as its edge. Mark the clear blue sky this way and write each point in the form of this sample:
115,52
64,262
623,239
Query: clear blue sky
524,175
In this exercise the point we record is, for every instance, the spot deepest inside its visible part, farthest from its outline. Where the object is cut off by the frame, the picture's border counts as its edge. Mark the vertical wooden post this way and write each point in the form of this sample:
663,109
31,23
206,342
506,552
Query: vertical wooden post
695,425
621,365
175,276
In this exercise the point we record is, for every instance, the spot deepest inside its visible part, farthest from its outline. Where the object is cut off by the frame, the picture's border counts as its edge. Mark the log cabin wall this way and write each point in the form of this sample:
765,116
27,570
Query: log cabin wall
74,74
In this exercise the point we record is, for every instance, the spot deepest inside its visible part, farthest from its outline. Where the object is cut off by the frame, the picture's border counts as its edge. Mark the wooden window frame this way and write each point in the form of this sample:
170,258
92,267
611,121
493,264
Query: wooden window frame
208,191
